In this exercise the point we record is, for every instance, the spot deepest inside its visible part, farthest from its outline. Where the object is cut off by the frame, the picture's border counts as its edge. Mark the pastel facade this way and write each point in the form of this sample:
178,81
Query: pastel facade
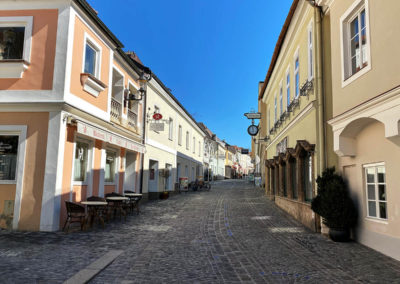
66,129
178,148
291,100
366,113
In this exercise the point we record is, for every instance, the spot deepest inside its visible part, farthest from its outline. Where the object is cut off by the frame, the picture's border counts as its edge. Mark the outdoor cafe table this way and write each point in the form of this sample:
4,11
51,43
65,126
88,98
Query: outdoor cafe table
93,208
136,197
117,201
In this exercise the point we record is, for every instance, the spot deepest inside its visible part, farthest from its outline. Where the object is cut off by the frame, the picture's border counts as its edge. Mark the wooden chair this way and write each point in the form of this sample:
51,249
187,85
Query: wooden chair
102,212
75,213
133,201
117,206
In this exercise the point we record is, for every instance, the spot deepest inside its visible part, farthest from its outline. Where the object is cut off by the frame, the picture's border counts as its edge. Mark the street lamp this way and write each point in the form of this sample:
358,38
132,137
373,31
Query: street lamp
143,79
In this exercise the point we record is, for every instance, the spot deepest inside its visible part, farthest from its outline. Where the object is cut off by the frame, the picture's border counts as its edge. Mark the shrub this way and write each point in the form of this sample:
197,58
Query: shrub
333,201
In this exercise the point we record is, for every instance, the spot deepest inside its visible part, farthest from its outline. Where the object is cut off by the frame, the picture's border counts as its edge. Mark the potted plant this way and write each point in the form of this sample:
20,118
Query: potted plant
334,205
165,174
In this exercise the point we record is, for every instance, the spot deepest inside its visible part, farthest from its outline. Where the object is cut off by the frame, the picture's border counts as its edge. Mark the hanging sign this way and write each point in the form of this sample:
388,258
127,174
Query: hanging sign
156,126
157,116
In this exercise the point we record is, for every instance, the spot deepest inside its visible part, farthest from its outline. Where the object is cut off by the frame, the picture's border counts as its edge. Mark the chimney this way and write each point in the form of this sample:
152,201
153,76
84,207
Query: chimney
134,56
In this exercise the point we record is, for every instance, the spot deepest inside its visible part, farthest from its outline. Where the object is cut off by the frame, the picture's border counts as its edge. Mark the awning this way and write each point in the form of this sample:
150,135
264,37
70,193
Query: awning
109,137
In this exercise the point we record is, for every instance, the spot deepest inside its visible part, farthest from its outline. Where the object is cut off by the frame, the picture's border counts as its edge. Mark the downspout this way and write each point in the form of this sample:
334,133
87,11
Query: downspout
320,90
143,142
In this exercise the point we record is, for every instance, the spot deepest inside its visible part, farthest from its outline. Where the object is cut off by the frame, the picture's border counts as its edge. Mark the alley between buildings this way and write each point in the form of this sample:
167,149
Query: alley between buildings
232,233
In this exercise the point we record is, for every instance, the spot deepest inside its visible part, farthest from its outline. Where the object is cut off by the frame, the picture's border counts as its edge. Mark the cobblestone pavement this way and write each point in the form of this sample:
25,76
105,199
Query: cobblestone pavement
231,234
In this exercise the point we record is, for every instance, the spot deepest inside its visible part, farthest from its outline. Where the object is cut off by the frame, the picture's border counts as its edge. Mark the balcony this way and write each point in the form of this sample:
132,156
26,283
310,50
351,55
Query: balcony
116,110
132,119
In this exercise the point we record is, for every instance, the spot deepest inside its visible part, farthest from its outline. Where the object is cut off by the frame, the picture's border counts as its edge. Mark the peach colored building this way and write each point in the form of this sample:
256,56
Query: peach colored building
68,129
366,113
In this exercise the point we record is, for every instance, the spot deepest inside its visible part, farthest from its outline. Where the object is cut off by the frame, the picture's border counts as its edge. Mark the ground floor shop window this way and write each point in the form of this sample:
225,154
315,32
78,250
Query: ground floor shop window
293,178
81,161
8,156
375,177
284,183
307,177
109,170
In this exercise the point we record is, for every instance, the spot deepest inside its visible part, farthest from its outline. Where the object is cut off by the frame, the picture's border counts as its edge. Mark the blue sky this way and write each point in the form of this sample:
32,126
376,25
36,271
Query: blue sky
210,53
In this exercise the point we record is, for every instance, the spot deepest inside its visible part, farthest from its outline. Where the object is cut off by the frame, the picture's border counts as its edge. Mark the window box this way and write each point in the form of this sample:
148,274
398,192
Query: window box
91,84
13,68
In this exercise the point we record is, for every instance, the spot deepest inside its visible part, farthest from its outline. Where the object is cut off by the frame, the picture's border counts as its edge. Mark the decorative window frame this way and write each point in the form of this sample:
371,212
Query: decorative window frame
116,166
171,129
14,68
365,190
296,71
187,137
180,134
288,99
281,98
90,162
92,83
310,47
275,108
21,131
345,19
194,144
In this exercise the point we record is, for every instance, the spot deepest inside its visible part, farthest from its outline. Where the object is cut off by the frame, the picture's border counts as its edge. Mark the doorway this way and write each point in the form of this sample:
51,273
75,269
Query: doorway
153,176
130,171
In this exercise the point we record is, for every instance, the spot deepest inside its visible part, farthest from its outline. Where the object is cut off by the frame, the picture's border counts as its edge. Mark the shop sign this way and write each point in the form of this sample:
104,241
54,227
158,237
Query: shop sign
157,116
109,137
156,126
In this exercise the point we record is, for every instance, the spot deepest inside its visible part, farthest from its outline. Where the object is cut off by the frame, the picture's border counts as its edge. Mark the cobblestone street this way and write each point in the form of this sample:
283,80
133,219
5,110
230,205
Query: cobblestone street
229,234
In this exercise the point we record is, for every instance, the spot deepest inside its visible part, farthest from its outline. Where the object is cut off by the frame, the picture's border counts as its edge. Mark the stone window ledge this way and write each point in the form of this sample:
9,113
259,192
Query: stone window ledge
91,84
13,68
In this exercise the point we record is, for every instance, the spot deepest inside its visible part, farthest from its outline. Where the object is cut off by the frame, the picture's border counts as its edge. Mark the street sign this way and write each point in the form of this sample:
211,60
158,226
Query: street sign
253,115
157,126
157,116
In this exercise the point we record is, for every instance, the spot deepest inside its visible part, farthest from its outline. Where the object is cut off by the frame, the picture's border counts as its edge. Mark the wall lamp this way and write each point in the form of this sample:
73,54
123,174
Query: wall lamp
143,79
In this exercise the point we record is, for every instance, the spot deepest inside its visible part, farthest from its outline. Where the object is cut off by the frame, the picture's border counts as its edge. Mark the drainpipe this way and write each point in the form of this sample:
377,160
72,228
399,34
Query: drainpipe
322,155
143,141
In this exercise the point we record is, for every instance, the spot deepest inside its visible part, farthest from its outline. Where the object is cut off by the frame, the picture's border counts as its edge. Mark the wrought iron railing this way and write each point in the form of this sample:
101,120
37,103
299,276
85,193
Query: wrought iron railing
306,88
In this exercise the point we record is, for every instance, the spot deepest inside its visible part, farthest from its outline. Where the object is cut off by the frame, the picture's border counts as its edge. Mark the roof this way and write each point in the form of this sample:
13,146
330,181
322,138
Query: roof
278,47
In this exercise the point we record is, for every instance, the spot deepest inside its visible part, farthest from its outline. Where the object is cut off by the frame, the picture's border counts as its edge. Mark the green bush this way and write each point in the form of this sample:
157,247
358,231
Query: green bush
333,201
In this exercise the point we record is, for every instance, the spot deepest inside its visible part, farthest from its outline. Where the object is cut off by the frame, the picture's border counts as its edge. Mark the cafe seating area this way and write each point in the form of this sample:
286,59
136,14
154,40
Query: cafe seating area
101,210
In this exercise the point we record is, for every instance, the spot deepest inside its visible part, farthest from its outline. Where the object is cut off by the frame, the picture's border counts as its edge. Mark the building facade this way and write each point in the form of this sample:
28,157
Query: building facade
292,104
176,148
366,113
67,128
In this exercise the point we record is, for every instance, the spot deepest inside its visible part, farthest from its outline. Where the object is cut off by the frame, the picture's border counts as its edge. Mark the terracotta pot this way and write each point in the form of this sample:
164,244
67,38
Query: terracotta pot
164,195
339,235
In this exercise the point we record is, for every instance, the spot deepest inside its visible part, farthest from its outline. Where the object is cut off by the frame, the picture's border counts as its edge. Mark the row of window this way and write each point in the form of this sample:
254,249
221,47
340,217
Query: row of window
296,74
187,140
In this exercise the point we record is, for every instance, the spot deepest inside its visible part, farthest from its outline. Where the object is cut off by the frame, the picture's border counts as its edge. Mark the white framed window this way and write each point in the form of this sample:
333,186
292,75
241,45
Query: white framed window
9,143
375,186
355,48
287,88
81,161
199,148
15,45
269,119
194,145
110,167
297,76
310,51
187,140
180,135
281,99
275,108
15,38
170,129
91,57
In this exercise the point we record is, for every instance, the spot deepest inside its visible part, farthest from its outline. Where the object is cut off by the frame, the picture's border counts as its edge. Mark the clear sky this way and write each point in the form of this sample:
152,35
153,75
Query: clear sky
210,53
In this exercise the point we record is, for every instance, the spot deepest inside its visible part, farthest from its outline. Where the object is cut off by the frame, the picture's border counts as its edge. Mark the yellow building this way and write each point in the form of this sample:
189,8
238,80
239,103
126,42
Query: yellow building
366,113
291,100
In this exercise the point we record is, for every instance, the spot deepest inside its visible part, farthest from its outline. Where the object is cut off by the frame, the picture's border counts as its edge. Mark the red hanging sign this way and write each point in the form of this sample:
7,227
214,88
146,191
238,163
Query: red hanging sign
157,116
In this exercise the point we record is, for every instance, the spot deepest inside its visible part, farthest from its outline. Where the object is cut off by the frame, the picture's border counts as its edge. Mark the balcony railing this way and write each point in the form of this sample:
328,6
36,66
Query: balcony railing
132,119
116,108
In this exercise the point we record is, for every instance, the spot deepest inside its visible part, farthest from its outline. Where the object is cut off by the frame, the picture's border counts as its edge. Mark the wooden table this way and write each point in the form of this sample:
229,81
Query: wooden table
136,198
117,204
93,208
